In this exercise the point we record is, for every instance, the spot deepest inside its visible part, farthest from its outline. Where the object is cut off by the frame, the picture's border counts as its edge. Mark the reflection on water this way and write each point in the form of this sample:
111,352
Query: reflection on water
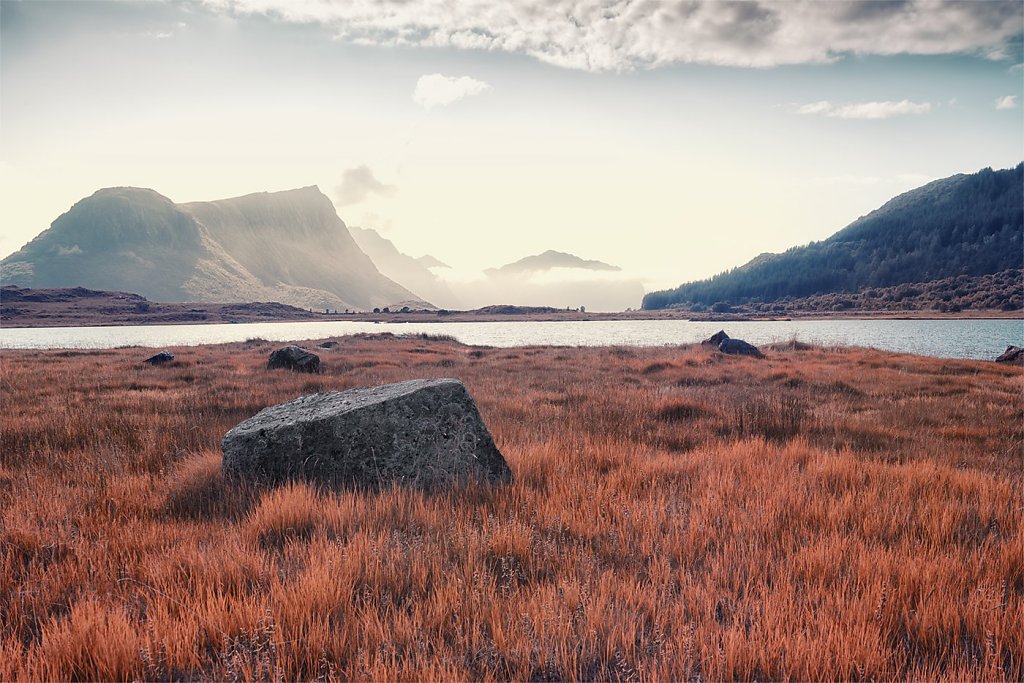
942,338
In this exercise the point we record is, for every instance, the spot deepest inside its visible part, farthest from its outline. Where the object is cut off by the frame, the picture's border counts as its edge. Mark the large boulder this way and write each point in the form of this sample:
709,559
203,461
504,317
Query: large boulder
716,339
426,434
1013,355
740,348
160,358
294,358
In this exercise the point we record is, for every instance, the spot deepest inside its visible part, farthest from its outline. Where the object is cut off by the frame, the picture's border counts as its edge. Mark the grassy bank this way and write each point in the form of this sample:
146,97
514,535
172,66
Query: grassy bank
677,514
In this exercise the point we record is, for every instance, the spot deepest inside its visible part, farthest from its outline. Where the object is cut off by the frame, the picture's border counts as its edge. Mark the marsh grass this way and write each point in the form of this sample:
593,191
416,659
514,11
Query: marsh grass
676,514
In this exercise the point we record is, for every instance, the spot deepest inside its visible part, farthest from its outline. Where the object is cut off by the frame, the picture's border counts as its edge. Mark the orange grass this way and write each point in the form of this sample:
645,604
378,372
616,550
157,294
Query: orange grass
676,514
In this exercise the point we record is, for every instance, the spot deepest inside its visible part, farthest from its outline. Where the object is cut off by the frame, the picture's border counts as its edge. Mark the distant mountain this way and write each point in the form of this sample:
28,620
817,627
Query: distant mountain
548,260
403,269
962,225
288,247
429,261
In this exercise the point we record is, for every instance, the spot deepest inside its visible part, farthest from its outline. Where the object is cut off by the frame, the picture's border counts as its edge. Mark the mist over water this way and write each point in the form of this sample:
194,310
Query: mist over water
975,339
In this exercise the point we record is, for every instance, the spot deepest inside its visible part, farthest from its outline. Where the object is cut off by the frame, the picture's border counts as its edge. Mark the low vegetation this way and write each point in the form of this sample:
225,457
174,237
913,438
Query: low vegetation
1002,291
676,515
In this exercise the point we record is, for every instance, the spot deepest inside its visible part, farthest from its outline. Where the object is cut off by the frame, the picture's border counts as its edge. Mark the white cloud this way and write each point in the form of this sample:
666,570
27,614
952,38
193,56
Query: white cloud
1007,102
357,184
619,35
866,110
436,90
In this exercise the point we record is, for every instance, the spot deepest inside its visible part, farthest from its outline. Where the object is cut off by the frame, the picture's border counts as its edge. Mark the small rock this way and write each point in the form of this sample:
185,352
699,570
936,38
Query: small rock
294,358
426,434
716,339
740,348
160,358
327,345
1013,355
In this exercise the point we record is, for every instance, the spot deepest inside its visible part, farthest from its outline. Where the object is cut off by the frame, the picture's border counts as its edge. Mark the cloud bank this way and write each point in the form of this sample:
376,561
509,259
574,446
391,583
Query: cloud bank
866,110
357,184
436,90
621,35
1007,102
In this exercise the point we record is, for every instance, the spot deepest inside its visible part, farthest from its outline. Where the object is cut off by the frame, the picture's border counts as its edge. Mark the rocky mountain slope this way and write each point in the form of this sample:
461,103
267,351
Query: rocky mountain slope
413,273
290,247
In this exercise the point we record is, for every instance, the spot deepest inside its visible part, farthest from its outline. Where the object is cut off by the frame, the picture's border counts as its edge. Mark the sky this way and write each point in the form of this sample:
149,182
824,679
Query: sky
673,139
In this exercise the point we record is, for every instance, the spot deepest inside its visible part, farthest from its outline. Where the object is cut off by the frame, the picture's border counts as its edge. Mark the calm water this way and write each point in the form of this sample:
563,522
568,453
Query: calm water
942,338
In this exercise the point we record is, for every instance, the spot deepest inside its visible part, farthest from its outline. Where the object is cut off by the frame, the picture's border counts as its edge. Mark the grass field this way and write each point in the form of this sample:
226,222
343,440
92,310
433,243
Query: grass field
676,515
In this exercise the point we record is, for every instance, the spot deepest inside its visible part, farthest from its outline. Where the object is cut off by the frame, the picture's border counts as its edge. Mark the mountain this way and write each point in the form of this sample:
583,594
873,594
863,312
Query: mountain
962,225
429,261
288,247
548,260
403,269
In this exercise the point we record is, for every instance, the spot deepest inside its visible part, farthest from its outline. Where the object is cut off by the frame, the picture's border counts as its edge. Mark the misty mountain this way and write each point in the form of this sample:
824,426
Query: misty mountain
548,260
962,225
429,261
290,247
404,269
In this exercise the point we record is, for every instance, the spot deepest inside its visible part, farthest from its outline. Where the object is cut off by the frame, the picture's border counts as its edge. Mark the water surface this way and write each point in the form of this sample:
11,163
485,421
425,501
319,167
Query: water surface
981,339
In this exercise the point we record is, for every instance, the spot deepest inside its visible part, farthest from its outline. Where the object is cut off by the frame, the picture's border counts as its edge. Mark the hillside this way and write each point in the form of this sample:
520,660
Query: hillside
969,225
409,272
288,247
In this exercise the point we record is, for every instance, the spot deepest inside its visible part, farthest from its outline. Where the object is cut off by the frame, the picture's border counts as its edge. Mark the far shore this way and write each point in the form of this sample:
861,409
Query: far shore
192,313
212,314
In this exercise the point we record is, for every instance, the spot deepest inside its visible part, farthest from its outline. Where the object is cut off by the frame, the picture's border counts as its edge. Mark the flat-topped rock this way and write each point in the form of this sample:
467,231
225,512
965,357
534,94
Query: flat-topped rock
738,347
294,358
160,358
427,434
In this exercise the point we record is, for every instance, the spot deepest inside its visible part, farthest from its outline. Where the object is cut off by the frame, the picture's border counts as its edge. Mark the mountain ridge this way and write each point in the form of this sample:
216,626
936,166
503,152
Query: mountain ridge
287,246
965,224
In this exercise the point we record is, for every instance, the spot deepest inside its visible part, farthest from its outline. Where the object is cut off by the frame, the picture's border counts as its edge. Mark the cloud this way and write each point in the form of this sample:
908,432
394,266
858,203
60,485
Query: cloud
436,90
621,35
1007,102
357,184
866,110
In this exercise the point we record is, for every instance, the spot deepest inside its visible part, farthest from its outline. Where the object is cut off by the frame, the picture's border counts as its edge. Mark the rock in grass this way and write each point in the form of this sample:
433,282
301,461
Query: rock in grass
740,348
716,339
1012,354
160,358
294,358
426,434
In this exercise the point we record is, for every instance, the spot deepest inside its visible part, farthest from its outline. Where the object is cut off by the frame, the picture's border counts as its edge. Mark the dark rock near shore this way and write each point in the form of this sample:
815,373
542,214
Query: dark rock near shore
160,358
740,348
327,344
1013,355
716,339
426,434
295,359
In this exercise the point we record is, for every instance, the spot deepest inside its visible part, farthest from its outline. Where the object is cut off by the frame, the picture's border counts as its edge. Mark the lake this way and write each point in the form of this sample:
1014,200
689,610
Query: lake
980,339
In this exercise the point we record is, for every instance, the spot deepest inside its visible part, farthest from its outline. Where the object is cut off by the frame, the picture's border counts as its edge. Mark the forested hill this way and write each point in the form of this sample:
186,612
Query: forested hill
961,225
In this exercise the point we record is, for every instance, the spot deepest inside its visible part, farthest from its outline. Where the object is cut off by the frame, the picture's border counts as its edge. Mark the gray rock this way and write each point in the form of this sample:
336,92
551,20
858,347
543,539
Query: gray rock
425,434
294,358
740,348
327,344
1013,355
716,339
160,358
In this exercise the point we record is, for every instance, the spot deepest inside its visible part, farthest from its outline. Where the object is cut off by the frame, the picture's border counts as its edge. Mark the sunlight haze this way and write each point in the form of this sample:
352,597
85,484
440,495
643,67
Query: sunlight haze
486,136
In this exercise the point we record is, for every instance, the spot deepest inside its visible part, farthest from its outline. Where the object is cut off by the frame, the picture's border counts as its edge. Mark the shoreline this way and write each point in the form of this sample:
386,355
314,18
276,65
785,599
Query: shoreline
213,316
